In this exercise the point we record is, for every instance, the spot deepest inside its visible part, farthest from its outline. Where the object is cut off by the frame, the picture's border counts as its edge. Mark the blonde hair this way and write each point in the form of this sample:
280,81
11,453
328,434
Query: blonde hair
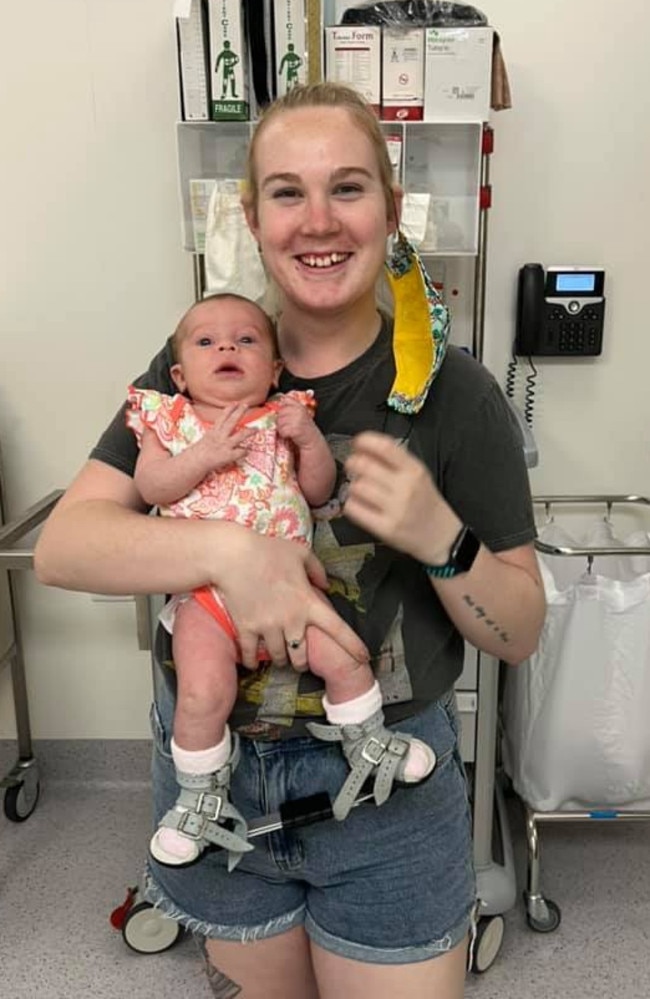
325,94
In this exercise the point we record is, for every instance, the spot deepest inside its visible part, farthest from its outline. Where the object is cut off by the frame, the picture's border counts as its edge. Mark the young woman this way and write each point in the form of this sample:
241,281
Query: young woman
431,543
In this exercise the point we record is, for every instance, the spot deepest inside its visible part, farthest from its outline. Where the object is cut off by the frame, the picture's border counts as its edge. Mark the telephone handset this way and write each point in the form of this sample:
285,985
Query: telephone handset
560,312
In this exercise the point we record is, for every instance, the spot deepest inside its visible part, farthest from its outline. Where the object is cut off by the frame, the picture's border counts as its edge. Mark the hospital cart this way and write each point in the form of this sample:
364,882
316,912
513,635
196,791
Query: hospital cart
542,914
21,785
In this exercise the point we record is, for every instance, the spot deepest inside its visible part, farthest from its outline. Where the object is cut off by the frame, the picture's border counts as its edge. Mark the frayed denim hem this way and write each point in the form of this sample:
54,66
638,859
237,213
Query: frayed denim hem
390,955
154,894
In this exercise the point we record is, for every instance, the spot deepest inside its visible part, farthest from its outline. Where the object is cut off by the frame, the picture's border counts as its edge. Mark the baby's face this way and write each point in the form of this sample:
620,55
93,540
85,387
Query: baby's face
226,354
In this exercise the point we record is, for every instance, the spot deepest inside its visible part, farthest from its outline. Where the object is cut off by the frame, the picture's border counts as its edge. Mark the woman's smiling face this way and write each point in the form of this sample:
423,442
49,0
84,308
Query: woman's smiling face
321,216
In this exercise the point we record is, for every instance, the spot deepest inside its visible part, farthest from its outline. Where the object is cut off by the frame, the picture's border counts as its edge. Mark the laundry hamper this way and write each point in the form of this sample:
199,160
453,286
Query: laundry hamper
576,742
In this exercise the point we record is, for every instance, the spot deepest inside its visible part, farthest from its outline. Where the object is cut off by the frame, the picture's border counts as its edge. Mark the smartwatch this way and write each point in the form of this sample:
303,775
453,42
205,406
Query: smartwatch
461,557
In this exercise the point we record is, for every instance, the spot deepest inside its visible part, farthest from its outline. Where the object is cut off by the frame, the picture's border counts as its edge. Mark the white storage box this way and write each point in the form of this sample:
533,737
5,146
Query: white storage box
353,55
192,42
228,61
290,44
457,74
402,85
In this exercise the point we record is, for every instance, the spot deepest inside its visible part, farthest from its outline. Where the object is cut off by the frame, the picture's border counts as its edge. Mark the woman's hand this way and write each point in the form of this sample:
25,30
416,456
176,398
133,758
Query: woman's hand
97,540
269,591
393,496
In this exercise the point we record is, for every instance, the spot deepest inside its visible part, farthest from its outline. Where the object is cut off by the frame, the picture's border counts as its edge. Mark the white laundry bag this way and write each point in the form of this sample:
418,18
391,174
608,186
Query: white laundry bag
577,713
232,259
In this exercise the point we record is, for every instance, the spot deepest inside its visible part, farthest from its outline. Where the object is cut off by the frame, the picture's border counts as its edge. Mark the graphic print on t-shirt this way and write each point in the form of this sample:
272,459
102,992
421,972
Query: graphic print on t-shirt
357,568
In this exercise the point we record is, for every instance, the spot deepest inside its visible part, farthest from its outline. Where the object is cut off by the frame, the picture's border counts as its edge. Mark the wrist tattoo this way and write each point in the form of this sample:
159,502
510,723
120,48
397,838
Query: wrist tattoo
482,615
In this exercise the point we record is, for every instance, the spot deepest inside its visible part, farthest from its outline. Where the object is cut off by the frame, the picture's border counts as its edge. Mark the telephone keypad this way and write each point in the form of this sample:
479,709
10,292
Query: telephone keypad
569,333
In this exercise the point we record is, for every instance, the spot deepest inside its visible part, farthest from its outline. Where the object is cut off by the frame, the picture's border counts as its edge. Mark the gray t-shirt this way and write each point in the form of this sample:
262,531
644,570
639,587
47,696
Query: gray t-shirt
469,440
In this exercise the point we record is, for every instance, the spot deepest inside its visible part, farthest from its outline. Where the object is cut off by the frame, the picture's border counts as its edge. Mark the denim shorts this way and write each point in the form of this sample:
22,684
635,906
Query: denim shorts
389,885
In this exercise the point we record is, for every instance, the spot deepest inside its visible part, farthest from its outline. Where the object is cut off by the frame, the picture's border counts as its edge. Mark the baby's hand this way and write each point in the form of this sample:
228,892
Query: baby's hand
295,423
223,444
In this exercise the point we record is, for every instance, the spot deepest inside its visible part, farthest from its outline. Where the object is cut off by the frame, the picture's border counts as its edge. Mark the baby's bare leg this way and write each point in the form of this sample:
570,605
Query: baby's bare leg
204,657
345,678
353,696
201,746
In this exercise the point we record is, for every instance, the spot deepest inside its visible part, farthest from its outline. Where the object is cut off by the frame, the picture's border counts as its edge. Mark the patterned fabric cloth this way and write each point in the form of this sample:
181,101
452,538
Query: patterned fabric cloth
261,491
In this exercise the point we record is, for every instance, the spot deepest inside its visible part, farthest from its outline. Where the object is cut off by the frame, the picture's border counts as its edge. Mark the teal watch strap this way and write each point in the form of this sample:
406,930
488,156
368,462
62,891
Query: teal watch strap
461,557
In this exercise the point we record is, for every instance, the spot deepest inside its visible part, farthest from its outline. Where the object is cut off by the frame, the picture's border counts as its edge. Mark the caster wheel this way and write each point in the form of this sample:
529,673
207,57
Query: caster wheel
20,800
148,931
489,937
547,917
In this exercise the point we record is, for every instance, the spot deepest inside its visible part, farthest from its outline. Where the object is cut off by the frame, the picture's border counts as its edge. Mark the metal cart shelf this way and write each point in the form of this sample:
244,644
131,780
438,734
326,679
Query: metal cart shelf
542,914
21,784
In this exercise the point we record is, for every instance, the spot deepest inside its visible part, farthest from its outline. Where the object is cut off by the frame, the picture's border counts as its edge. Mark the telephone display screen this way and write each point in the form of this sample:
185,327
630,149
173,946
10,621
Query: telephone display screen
576,282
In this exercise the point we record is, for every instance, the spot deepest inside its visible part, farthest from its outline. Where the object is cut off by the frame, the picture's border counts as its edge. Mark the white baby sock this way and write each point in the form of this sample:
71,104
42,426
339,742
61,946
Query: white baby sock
202,761
355,711
420,759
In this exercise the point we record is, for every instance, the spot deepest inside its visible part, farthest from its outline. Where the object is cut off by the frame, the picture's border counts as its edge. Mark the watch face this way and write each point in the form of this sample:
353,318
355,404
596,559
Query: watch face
461,558
465,550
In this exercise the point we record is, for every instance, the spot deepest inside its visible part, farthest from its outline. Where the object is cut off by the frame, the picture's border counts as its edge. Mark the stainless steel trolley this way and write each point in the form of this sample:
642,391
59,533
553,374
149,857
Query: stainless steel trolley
542,914
21,784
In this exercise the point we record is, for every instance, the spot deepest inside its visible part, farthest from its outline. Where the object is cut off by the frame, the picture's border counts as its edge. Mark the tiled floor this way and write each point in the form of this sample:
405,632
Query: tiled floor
68,866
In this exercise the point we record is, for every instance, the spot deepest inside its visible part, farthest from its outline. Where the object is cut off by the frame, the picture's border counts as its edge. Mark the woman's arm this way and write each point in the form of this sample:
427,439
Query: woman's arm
499,604
99,539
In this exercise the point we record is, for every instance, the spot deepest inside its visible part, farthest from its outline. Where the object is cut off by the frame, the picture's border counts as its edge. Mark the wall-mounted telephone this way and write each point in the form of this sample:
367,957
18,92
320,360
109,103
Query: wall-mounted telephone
560,312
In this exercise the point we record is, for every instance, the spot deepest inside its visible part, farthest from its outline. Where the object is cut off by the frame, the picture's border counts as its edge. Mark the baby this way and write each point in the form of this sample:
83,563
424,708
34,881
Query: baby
226,449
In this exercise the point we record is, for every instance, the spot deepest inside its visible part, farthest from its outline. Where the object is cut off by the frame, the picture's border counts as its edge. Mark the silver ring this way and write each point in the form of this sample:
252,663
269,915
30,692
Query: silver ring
295,643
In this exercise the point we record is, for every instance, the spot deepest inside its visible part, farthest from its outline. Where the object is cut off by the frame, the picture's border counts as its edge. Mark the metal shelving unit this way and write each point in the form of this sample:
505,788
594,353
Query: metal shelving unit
21,785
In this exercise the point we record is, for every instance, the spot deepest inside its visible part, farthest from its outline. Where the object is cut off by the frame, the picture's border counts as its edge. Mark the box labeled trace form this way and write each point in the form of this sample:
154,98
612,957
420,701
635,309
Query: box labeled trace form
457,74
353,56
228,61
192,44
402,89
290,44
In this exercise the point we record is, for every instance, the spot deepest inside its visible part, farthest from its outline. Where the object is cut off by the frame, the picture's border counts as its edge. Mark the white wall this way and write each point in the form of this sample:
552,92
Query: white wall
93,280
570,185
93,277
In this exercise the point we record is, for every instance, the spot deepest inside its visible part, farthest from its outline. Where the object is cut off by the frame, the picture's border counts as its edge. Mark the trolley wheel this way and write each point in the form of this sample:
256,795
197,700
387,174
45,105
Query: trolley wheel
20,800
148,931
547,916
489,937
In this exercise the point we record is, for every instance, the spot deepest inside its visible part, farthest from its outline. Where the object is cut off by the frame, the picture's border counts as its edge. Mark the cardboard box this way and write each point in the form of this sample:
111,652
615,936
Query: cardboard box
457,74
228,61
353,55
192,44
290,44
402,87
